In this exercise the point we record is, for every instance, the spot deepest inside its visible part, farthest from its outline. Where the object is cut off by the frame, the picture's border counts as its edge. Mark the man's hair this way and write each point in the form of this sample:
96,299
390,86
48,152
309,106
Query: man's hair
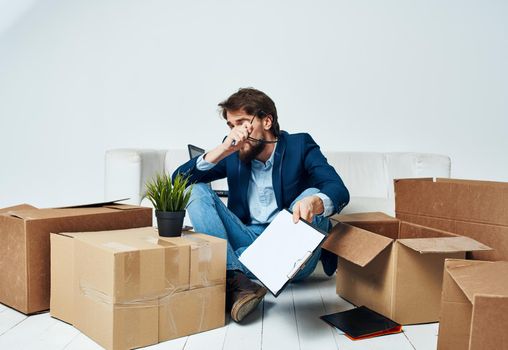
252,102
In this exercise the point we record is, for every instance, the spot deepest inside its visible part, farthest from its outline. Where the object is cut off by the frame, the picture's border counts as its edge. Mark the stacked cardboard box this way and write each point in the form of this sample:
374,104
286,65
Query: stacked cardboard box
474,302
131,288
474,306
393,267
476,209
24,245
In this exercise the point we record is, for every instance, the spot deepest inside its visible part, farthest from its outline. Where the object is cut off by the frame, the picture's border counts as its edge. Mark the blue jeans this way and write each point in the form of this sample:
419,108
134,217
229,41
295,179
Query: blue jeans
209,215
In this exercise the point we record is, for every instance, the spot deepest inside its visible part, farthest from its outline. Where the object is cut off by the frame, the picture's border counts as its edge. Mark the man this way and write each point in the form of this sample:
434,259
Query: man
267,170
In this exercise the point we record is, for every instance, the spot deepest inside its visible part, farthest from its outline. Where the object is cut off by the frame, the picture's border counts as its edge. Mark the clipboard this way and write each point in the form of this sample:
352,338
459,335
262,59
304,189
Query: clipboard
283,248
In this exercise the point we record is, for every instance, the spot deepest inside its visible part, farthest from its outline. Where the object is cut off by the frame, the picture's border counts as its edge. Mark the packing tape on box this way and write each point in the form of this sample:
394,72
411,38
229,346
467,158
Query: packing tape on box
192,311
146,301
202,269
172,315
175,263
201,262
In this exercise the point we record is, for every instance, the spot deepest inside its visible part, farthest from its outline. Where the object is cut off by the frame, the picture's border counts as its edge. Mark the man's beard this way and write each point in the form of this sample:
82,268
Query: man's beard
249,155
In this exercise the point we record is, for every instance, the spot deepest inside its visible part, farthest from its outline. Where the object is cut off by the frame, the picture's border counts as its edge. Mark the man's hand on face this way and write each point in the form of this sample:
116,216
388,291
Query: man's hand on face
307,207
239,134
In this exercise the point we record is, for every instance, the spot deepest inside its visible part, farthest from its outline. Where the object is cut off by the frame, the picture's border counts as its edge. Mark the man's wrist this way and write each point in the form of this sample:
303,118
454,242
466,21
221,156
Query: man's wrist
217,154
319,205
328,207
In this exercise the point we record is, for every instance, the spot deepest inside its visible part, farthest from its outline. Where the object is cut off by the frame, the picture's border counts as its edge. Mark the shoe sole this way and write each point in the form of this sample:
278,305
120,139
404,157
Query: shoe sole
246,305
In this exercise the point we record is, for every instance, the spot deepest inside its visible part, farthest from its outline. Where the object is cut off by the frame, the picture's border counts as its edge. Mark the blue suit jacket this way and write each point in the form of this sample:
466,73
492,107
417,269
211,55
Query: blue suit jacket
298,165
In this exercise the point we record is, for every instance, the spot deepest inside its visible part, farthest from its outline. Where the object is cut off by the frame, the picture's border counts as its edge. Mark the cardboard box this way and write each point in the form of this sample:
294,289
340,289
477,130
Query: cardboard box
476,209
393,267
132,288
24,245
474,306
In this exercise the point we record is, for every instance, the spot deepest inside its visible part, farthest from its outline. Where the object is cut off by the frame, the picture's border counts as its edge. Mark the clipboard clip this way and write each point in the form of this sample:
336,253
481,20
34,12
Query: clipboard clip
298,264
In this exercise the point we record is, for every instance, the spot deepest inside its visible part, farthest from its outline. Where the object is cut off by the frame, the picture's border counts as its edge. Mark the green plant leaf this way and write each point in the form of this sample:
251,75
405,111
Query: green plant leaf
167,195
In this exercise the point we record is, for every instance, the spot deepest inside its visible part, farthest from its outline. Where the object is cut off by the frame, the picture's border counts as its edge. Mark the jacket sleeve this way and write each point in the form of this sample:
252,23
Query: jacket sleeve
189,168
323,176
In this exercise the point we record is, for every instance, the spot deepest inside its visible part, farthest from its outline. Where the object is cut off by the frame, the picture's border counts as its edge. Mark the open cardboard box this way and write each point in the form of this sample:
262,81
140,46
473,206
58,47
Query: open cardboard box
476,209
24,245
474,306
131,288
393,267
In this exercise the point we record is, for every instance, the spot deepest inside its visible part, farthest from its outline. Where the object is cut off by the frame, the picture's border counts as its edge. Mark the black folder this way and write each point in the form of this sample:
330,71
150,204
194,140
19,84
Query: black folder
362,323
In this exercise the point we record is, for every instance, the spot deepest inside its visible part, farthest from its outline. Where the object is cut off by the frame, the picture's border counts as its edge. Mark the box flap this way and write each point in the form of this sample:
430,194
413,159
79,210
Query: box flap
25,214
460,200
52,213
111,203
443,244
355,244
16,208
363,217
122,206
66,234
472,182
481,277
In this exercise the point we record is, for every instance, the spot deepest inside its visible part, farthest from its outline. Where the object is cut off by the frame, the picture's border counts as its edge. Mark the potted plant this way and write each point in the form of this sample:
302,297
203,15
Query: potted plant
169,199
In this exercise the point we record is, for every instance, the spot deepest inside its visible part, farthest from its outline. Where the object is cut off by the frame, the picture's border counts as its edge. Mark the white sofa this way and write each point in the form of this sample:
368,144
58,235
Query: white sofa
368,176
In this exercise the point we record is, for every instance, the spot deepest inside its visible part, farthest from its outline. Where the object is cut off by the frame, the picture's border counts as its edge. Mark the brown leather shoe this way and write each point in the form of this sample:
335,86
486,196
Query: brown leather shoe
242,295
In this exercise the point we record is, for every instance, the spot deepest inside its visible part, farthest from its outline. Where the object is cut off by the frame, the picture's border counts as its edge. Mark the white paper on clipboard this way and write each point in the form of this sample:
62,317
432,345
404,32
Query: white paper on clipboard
280,251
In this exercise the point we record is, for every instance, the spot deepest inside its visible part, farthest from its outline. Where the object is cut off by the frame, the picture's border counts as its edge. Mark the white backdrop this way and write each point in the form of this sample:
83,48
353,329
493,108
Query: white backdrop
80,77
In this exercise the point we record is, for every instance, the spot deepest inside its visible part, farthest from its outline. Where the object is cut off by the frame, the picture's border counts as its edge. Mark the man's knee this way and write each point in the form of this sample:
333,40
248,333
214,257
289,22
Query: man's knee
199,192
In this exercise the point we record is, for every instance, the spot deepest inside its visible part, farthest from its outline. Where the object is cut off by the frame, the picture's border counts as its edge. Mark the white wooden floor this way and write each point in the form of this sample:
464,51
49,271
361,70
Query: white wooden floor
289,322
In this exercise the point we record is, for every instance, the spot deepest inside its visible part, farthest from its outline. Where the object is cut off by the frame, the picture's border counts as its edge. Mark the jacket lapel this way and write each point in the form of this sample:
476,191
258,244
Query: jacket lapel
277,169
244,177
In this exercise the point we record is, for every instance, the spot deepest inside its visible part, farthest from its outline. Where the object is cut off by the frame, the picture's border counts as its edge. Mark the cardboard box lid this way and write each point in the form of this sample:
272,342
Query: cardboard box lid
355,244
443,244
480,277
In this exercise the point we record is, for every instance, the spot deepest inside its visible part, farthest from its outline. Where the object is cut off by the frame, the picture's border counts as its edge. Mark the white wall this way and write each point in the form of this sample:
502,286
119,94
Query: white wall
79,77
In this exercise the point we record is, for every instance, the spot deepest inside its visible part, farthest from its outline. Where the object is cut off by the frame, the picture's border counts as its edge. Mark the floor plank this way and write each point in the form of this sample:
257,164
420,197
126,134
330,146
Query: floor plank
246,335
38,332
387,342
213,339
313,333
423,336
9,318
280,329
290,321
332,302
82,342
173,344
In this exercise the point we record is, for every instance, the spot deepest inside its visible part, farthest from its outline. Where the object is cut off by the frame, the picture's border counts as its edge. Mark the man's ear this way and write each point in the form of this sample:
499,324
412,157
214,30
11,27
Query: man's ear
267,122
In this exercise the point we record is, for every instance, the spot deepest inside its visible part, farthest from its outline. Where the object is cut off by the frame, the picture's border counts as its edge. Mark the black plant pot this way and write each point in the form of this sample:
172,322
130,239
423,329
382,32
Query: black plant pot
170,223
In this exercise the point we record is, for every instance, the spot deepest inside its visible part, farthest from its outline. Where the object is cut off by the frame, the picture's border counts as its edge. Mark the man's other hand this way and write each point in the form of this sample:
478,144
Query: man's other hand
307,207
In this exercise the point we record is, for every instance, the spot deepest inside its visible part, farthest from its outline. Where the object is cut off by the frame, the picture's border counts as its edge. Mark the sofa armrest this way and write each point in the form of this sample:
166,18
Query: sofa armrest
127,170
